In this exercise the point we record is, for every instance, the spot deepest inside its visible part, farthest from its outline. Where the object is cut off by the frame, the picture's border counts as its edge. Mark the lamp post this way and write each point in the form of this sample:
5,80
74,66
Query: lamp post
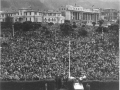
69,57
13,29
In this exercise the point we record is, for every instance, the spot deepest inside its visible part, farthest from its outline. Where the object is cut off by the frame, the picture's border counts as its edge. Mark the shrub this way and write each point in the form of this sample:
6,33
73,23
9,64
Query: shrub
102,29
100,22
36,25
94,23
82,31
74,25
17,26
66,29
27,26
8,22
50,24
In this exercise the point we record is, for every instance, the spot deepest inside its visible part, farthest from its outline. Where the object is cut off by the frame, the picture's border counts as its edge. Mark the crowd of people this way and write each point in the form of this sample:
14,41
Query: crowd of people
34,56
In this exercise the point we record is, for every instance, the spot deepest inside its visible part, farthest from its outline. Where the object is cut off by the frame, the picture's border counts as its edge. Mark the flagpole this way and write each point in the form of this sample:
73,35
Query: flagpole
69,58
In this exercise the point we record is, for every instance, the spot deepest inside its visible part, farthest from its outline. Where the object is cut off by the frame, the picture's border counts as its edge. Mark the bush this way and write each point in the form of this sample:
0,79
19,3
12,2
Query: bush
66,29
4,44
74,25
94,23
114,27
50,24
36,25
82,31
102,29
27,26
17,26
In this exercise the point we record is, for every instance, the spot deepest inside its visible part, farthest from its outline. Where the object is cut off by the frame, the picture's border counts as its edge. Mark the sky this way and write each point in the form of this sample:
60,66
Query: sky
109,0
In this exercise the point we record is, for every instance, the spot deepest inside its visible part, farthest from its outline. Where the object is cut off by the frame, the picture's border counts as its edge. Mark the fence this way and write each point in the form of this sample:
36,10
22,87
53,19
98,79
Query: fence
50,85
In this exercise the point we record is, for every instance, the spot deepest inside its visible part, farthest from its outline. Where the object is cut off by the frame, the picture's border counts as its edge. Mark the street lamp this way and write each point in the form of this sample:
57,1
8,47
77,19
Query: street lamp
69,57
13,29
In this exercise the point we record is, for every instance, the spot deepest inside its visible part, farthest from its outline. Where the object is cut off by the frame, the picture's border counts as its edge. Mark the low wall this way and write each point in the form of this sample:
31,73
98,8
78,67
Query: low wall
40,85
99,85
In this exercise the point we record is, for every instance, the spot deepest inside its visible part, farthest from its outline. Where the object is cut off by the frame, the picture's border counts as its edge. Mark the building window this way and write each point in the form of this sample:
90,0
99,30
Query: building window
49,19
54,14
30,13
49,14
45,19
30,19
52,19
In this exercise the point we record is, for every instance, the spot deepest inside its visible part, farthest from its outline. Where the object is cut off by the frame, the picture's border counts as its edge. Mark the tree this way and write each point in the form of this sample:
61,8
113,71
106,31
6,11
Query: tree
84,22
74,25
66,29
100,22
17,26
117,21
27,26
94,23
8,21
82,32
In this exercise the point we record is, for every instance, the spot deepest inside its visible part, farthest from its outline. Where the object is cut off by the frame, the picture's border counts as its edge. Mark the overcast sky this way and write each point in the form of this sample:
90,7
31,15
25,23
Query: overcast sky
110,0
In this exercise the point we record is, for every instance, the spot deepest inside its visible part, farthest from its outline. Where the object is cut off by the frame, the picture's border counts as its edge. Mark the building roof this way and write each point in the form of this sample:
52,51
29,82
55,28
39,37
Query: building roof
32,11
52,11
8,12
24,8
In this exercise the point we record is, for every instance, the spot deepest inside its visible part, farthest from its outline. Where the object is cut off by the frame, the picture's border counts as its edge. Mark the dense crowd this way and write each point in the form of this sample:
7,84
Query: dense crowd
33,56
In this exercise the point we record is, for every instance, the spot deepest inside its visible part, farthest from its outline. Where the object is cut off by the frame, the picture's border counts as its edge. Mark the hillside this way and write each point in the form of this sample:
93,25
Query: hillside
16,4
55,4
84,3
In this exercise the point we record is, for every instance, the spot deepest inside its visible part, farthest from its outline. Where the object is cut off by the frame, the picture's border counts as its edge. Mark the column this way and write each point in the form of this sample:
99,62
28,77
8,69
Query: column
92,17
96,17
83,16
77,16
87,17
73,16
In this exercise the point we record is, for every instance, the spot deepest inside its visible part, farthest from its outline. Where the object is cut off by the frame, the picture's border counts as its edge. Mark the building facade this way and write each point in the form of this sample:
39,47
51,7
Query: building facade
26,14
53,16
77,13
109,14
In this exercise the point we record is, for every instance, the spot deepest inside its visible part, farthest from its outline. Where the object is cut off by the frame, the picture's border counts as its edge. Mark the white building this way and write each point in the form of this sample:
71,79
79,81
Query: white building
25,14
77,13
53,16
